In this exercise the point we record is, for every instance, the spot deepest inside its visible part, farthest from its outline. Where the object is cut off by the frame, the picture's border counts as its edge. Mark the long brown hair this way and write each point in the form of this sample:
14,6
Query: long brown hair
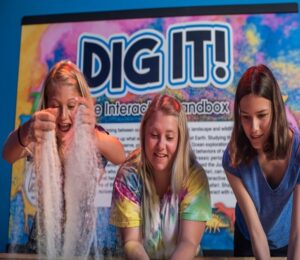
260,81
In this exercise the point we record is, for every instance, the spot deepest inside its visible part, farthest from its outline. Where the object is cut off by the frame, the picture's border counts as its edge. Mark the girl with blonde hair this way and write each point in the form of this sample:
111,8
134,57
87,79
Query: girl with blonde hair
68,152
161,198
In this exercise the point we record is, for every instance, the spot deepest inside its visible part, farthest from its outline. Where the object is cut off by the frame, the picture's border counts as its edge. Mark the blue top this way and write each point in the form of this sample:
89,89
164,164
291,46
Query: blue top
274,206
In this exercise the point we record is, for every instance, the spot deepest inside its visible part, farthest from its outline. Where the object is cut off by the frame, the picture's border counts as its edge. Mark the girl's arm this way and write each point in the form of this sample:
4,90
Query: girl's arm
32,131
294,242
14,146
189,238
132,243
110,147
258,237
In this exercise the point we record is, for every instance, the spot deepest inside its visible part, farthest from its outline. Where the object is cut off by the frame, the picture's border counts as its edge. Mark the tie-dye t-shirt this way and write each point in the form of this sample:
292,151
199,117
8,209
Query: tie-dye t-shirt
192,203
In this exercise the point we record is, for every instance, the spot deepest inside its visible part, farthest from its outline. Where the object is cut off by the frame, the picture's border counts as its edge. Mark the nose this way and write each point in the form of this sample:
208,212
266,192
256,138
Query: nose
161,143
64,113
255,124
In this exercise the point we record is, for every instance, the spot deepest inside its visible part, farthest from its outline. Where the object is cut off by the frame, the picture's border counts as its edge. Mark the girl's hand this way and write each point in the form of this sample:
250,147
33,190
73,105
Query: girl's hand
41,122
88,114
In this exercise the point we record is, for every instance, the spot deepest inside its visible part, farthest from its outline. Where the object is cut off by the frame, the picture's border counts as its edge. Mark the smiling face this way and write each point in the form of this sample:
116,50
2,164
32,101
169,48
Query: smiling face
161,140
63,97
256,119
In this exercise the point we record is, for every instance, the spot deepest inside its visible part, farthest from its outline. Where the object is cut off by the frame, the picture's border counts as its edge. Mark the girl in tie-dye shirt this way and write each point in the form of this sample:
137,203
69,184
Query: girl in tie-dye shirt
161,197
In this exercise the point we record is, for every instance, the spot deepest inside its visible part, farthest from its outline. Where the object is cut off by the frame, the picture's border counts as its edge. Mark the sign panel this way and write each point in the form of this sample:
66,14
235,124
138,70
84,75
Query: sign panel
195,54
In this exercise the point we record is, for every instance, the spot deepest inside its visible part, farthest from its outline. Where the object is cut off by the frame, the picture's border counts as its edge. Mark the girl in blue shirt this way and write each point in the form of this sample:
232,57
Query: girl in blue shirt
262,166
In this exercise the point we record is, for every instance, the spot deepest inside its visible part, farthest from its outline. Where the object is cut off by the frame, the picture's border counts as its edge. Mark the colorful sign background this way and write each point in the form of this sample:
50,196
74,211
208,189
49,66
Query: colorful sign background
268,38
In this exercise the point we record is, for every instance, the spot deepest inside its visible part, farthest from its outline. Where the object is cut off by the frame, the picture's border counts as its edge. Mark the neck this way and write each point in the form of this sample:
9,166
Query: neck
162,183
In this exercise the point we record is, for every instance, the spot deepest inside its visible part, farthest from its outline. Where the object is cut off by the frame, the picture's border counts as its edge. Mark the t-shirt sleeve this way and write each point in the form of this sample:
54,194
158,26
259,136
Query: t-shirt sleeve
226,163
126,197
298,162
297,155
298,171
195,196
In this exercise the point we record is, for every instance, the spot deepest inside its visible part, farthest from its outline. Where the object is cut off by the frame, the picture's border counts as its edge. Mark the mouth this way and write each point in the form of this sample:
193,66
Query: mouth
256,140
64,127
255,137
160,155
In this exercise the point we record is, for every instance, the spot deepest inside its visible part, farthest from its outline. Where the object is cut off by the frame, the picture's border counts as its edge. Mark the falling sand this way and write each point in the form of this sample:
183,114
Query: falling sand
50,197
66,198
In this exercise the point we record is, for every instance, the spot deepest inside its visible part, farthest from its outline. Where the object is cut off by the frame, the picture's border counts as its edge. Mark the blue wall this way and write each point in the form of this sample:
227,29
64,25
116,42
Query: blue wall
11,13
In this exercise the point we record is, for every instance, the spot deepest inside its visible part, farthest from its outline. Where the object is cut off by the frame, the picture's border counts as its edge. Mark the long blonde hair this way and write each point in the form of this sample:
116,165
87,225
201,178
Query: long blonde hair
182,162
67,72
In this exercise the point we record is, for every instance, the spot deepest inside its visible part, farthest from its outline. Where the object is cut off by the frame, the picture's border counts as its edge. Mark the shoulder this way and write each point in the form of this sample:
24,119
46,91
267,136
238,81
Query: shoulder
128,181
197,178
226,157
195,202
296,139
133,159
233,169
130,168
227,163
296,147
197,172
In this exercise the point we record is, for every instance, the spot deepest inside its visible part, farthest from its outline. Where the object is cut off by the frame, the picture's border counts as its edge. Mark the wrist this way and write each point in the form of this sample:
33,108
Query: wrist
24,134
20,140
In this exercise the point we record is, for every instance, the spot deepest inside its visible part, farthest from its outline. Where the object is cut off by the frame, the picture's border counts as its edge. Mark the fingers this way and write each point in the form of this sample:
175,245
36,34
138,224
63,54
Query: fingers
45,119
41,122
87,114
88,117
52,111
86,102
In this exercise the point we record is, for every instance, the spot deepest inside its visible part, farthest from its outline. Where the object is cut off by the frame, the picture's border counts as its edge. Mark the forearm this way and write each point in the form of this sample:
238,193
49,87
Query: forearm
258,237
260,246
110,147
294,241
117,156
135,250
294,248
14,147
185,250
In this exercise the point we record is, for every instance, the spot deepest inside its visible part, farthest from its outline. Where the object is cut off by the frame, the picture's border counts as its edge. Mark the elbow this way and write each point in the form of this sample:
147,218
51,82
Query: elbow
5,156
9,155
7,159
117,158
120,158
